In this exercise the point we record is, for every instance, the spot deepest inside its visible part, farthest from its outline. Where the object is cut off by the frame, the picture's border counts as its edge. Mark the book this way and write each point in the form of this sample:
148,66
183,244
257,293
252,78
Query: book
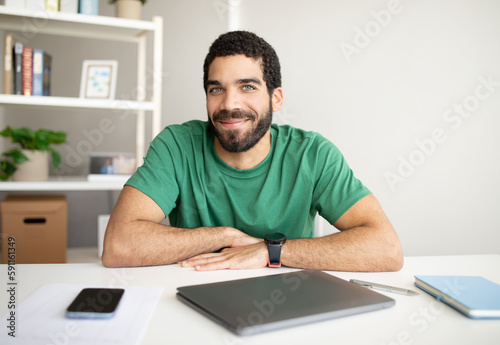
52,5
41,73
18,68
8,63
68,6
111,166
47,68
27,71
474,296
88,7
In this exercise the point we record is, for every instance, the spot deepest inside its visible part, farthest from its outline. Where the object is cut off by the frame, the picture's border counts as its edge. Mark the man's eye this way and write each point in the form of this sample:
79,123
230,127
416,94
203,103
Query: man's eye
248,88
215,90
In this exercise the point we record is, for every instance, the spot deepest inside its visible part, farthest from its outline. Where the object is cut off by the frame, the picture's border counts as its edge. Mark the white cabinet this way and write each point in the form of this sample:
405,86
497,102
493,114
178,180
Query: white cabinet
102,28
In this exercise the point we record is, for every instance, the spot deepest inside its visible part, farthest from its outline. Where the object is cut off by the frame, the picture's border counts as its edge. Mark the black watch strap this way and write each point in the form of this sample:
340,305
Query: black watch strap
274,255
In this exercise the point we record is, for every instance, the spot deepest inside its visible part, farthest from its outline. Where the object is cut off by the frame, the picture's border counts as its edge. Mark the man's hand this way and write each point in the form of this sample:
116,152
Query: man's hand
237,257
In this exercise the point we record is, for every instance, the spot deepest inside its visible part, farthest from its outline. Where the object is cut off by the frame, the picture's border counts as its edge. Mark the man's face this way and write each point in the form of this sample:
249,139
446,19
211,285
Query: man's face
238,103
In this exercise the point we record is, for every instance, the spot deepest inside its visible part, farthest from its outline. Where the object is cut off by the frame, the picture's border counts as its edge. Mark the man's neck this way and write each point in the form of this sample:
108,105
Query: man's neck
248,159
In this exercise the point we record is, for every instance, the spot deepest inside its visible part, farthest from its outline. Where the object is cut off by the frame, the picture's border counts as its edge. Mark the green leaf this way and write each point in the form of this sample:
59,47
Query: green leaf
57,138
7,169
41,139
16,155
7,132
25,137
56,157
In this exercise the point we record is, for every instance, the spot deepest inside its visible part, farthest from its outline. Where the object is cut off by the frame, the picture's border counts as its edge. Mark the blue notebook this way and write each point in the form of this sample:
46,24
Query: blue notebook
474,296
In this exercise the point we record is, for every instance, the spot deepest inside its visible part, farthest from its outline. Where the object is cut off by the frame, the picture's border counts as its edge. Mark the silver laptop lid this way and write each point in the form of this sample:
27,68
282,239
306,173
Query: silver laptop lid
254,305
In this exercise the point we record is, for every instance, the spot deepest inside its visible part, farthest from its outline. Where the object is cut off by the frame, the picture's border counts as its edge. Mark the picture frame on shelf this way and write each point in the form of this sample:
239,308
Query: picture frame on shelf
98,79
109,166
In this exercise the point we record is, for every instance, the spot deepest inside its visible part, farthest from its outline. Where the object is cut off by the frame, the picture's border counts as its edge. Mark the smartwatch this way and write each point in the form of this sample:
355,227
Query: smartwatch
274,241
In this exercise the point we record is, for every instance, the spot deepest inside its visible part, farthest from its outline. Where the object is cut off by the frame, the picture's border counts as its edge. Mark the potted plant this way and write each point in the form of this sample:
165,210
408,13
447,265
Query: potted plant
130,9
30,162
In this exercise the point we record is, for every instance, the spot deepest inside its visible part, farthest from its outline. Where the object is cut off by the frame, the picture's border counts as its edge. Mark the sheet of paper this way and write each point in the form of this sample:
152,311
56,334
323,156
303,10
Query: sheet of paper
41,318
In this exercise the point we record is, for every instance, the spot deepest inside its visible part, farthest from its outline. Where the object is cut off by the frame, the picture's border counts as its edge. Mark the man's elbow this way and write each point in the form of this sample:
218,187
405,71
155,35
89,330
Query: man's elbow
114,255
110,259
394,260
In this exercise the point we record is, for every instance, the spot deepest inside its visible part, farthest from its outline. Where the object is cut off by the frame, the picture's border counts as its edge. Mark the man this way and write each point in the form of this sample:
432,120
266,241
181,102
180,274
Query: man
228,183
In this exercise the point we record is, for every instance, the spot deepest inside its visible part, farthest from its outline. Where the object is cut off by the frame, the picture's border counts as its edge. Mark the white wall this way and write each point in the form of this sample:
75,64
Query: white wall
374,105
381,79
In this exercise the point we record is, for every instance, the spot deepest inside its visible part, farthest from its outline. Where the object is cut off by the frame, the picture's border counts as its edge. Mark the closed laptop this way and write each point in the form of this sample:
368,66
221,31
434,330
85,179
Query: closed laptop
254,305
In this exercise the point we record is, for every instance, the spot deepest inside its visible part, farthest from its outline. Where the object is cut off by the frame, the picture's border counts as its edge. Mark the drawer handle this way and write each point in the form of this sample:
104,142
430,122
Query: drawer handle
35,221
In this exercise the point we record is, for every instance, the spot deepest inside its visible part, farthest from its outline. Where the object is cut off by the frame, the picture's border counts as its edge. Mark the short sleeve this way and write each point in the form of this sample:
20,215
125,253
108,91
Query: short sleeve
157,177
336,188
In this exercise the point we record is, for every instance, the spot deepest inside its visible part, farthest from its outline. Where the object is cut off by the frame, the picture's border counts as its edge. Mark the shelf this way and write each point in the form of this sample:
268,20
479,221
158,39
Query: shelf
70,102
31,22
62,184
25,24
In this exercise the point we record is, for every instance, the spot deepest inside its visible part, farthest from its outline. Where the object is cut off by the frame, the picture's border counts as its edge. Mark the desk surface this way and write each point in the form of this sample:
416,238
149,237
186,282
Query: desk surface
413,320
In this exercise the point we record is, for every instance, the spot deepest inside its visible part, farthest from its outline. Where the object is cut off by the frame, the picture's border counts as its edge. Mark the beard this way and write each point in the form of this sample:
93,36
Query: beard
234,140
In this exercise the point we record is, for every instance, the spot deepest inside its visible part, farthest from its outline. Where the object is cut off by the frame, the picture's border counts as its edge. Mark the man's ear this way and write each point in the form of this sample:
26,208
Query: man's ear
277,99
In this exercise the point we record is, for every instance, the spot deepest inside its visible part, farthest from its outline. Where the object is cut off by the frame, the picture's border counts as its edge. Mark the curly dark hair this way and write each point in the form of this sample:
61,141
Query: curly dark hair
252,46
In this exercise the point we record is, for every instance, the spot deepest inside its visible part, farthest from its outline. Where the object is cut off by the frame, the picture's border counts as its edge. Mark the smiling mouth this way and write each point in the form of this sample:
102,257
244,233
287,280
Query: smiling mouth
233,123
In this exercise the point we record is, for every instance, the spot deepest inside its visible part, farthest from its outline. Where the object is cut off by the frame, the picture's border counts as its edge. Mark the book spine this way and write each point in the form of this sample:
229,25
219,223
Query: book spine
8,63
27,71
18,68
68,6
89,7
47,67
52,5
37,77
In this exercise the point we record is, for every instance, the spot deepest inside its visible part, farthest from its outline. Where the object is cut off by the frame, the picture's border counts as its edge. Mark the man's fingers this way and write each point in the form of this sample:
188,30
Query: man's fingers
252,256
201,259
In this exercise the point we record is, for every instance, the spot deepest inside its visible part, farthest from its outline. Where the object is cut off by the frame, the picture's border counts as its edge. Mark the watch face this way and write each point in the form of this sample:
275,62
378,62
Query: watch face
275,237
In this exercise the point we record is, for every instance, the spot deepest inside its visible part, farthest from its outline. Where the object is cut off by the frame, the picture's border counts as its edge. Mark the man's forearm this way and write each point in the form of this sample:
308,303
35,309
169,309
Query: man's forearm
146,243
358,249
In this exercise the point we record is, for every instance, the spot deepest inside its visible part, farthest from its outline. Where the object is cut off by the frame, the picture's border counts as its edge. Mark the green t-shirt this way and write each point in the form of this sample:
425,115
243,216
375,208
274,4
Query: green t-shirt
304,174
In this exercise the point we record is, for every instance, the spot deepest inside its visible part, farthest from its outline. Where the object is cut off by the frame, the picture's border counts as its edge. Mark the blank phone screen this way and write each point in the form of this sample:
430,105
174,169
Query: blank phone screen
96,300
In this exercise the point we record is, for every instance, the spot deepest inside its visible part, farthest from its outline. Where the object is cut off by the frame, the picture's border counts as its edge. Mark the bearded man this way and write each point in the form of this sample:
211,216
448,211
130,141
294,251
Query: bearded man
241,192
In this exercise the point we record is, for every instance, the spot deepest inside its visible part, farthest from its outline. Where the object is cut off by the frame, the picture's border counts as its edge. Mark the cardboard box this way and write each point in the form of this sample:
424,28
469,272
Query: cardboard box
36,225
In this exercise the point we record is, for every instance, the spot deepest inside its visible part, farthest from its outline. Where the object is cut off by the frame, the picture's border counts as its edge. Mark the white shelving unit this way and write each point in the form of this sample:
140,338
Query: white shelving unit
66,184
94,27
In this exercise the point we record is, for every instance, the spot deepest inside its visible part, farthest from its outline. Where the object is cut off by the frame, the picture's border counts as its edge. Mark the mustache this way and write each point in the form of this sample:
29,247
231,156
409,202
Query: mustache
232,114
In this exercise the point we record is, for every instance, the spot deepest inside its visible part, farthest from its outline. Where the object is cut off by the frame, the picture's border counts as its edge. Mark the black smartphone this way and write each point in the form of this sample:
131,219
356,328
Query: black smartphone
95,303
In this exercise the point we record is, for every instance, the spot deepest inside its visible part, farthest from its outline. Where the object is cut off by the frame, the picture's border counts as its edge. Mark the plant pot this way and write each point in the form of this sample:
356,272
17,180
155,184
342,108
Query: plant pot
129,9
35,169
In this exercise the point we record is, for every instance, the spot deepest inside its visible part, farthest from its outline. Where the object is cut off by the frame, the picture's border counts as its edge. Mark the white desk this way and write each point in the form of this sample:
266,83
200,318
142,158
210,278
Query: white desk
413,320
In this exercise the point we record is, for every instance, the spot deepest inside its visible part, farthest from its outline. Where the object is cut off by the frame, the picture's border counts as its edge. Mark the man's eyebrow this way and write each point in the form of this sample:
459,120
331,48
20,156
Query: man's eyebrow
239,81
250,81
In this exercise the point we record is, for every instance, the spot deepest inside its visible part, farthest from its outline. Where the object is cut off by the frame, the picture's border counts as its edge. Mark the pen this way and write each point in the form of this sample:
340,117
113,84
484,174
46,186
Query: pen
385,287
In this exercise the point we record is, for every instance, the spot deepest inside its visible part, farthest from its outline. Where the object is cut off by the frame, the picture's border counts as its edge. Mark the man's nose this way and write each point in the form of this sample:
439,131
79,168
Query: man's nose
232,100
